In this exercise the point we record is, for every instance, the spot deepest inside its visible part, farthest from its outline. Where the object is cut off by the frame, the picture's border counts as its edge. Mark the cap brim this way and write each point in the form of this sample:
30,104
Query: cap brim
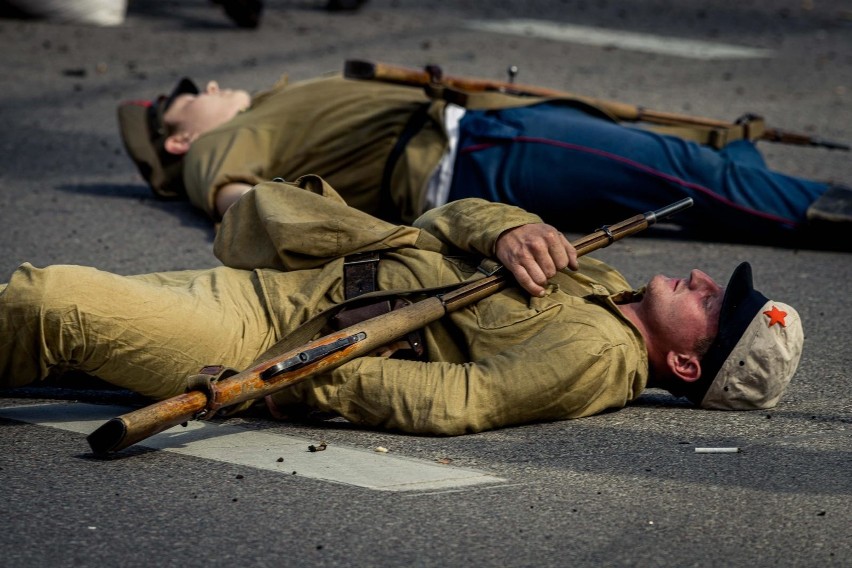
140,144
739,306
140,126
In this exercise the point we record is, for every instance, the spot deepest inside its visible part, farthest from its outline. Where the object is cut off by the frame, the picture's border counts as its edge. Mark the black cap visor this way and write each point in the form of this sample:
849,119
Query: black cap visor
158,108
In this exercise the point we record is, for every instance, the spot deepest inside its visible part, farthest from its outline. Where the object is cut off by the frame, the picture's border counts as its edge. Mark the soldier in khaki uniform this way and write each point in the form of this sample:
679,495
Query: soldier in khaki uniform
339,129
393,152
565,344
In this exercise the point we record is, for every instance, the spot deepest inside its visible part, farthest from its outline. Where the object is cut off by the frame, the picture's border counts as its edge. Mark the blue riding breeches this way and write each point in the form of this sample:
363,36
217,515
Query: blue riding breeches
578,171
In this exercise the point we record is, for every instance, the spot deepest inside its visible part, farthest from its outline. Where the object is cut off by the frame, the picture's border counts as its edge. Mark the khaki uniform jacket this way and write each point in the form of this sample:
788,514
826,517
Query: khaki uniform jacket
343,130
509,359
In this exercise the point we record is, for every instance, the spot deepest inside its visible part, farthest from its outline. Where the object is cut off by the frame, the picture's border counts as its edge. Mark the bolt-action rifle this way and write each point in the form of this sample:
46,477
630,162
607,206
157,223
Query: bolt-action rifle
272,373
714,132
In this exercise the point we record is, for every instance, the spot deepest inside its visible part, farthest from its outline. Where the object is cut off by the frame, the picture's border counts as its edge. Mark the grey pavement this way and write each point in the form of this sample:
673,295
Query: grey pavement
621,489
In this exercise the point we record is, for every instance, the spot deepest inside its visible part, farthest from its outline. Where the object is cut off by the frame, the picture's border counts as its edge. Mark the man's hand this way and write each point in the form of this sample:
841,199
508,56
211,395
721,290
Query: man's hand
535,253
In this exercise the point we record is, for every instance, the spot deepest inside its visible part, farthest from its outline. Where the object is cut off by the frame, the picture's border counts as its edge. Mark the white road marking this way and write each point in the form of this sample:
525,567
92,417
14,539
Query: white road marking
632,41
261,450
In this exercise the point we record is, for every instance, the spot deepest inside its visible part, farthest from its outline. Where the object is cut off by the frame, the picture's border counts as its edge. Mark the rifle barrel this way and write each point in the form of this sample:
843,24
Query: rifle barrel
668,210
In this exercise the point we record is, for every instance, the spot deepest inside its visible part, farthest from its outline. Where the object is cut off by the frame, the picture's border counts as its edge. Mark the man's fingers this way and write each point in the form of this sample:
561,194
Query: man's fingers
526,281
535,253
552,252
571,253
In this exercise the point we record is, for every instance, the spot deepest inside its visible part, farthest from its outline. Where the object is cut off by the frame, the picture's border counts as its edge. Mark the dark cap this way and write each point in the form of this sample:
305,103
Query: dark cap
144,133
755,353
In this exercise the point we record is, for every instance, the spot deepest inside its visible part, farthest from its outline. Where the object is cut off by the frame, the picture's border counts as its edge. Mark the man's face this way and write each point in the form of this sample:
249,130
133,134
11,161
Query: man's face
682,311
197,114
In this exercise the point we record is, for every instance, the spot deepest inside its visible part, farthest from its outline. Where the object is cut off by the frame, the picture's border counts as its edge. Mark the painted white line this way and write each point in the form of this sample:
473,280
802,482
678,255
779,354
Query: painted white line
262,450
632,41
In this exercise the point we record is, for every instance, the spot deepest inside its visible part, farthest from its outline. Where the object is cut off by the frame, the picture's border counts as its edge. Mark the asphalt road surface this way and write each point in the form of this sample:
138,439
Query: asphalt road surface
622,489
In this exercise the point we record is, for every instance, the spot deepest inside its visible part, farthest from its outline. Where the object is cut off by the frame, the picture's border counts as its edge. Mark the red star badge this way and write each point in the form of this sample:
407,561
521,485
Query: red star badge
776,316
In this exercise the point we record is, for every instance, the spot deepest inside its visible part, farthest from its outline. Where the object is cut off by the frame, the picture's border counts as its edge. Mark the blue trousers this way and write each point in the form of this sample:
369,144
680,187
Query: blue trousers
579,171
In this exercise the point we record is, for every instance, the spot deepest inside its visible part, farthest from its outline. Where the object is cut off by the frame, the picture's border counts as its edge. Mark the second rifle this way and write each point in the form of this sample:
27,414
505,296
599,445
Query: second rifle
751,127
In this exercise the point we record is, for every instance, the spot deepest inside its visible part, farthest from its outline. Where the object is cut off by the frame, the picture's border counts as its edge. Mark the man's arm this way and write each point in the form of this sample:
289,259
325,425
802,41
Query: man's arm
218,160
304,224
531,250
473,225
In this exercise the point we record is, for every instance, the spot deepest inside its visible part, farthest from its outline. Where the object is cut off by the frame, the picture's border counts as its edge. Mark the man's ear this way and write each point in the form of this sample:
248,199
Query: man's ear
178,144
684,366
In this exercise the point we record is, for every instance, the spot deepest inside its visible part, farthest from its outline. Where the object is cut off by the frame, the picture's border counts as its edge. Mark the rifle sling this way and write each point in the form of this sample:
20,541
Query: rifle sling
714,136
308,330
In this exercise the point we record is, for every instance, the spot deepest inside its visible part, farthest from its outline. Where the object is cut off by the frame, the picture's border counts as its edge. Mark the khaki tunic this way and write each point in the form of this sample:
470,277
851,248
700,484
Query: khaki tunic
343,130
509,359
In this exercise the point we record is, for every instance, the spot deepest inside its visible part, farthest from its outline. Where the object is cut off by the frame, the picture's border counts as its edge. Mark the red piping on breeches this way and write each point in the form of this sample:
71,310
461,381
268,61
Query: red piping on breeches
636,165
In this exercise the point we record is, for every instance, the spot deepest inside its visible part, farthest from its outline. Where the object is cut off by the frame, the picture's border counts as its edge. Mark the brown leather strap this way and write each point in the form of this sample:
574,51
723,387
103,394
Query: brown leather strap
205,381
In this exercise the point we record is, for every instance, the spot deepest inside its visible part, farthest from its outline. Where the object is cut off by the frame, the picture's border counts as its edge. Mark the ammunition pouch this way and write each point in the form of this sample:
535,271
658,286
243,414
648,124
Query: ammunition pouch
360,276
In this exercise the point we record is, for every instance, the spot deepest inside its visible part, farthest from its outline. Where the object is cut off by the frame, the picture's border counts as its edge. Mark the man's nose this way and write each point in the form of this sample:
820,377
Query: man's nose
700,279
212,88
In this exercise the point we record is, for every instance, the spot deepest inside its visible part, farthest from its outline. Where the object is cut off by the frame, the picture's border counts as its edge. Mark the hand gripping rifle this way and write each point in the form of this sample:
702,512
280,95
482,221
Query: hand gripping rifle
271,374
716,133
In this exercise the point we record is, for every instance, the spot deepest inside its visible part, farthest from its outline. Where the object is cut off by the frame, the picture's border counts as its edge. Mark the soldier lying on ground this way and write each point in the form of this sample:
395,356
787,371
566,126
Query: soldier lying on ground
563,344
395,153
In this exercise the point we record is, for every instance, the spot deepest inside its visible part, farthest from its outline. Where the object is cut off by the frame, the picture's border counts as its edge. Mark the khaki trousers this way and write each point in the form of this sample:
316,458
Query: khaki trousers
145,333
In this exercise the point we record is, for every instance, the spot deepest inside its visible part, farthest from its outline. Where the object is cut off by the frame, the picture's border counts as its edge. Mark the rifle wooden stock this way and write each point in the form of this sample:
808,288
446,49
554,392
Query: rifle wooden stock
358,69
330,351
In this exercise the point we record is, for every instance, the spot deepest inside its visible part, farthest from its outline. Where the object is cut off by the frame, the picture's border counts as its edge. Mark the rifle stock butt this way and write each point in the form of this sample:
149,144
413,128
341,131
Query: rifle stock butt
108,437
125,430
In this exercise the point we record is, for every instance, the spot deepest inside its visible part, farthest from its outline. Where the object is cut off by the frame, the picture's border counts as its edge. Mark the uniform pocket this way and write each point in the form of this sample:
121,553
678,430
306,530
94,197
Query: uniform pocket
512,306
